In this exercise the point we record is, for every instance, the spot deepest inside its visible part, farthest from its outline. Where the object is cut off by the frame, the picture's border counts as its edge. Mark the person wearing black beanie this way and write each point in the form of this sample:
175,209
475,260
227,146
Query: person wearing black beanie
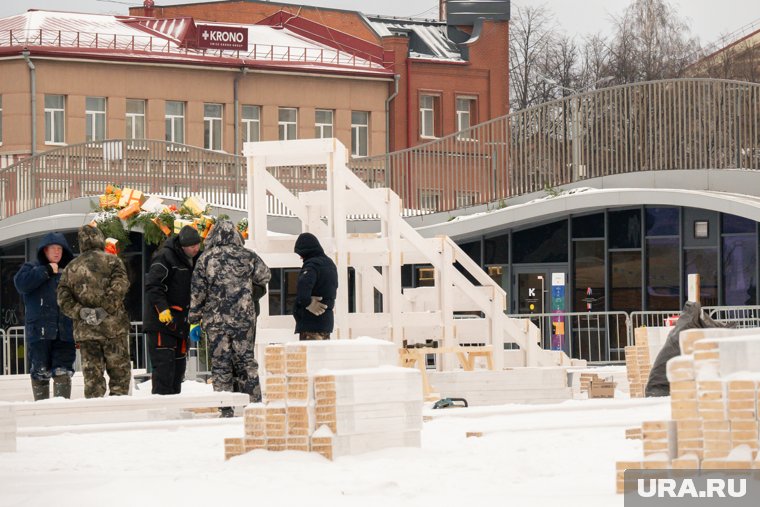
167,300
188,236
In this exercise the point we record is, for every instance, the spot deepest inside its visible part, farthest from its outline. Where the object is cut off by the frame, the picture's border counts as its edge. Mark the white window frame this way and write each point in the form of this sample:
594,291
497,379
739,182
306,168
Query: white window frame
135,118
251,123
173,121
212,126
427,115
95,118
287,128
463,114
53,117
359,133
324,129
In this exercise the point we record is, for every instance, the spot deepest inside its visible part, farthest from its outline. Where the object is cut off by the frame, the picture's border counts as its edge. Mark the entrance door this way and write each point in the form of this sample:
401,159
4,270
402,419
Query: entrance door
540,292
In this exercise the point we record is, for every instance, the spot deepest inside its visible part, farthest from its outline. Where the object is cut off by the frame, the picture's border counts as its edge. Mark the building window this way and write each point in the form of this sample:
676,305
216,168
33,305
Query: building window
1,120
175,122
212,127
288,122
429,110
55,113
251,124
359,133
135,119
95,118
323,123
465,117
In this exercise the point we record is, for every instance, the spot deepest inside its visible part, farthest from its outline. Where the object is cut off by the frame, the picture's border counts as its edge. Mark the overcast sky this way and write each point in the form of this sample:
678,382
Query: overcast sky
708,19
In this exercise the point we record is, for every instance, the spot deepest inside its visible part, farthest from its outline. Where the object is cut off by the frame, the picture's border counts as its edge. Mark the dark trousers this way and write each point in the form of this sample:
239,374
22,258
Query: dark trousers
50,358
313,335
168,356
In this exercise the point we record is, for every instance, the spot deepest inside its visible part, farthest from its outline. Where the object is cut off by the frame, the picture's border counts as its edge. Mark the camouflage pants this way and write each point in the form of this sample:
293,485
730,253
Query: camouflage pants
309,335
233,367
111,356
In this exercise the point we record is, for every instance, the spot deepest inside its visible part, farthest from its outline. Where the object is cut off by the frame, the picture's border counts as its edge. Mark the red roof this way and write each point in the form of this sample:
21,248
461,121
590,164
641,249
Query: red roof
108,37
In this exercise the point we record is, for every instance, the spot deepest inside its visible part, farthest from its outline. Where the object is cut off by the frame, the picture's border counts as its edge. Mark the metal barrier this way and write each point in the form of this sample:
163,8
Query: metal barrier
14,351
597,337
14,360
655,318
651,126
743,316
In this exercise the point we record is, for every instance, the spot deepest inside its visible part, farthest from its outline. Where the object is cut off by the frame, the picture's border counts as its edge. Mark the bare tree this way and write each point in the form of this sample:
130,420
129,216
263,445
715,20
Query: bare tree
531,36
594,63
650,42
561,66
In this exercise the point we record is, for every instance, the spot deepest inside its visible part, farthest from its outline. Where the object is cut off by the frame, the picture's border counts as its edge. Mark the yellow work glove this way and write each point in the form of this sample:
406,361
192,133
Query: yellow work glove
165,316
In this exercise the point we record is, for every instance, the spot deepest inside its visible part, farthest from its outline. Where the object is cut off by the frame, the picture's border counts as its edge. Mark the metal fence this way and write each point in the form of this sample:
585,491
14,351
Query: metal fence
652,126
127,44
597,337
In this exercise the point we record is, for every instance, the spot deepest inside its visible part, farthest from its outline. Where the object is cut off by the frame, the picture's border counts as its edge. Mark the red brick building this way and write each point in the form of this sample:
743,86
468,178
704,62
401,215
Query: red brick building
449,74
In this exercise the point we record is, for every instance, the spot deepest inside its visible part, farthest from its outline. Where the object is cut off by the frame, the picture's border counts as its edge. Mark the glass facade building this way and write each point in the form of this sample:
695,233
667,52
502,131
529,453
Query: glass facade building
609,260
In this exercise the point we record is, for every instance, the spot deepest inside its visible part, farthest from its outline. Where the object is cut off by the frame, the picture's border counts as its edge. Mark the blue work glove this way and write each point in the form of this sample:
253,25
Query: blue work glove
195,333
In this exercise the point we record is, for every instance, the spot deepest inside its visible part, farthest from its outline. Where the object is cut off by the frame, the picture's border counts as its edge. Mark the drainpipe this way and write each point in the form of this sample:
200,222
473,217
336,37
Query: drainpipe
388,101
408,103
236,128
33,101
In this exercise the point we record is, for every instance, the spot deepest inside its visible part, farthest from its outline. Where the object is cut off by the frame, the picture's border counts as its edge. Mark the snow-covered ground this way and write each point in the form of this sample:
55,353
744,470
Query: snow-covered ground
531,455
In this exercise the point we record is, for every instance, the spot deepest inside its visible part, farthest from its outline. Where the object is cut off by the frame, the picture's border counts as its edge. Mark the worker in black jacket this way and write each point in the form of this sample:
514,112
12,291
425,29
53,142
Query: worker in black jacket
167,302
317,288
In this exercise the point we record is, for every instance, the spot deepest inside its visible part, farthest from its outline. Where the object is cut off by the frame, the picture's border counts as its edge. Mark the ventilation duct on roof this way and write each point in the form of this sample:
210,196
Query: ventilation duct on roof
466,12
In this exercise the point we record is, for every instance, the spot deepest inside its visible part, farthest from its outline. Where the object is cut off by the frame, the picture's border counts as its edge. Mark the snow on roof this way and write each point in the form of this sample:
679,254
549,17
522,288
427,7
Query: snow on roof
164,39
428,38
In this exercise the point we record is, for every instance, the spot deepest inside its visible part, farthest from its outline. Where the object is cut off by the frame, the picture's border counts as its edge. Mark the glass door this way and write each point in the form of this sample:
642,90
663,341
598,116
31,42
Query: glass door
540,293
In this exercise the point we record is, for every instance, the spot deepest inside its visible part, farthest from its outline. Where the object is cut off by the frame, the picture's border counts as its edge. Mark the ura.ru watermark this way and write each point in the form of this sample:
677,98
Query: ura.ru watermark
692,487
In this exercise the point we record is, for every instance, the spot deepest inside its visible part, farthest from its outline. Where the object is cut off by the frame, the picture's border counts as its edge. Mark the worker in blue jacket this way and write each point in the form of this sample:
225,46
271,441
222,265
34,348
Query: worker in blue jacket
49,336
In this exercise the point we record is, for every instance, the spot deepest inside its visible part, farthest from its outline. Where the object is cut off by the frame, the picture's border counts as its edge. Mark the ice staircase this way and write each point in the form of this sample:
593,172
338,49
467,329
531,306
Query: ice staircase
382,308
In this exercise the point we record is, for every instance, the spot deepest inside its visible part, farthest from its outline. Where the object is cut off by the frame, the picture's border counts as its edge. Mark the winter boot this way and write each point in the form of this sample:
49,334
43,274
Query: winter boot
41,389
62,386
226,412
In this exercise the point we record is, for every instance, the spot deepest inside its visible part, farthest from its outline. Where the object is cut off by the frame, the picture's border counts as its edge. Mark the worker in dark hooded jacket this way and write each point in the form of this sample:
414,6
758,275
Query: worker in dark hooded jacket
167,302
49,337
227,281
91,292
317,288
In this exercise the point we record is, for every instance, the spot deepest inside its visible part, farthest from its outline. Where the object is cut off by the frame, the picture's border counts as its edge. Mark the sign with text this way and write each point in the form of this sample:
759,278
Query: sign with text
692,487
558,306
222,37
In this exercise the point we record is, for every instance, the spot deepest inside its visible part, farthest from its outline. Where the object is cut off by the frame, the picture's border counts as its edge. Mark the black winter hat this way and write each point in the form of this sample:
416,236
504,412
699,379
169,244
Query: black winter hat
188,236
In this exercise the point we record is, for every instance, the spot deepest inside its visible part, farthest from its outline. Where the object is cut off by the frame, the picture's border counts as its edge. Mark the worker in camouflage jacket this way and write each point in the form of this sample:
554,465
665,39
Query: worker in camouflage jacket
227,282
91,292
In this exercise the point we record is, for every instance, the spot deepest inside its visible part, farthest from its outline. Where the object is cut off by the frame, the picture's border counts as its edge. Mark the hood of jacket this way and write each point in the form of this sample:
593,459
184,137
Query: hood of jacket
90,238
55,238
307,245
223,233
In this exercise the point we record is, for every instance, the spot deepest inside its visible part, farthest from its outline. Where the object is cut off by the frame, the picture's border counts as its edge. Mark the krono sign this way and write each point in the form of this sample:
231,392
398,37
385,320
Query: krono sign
222,37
